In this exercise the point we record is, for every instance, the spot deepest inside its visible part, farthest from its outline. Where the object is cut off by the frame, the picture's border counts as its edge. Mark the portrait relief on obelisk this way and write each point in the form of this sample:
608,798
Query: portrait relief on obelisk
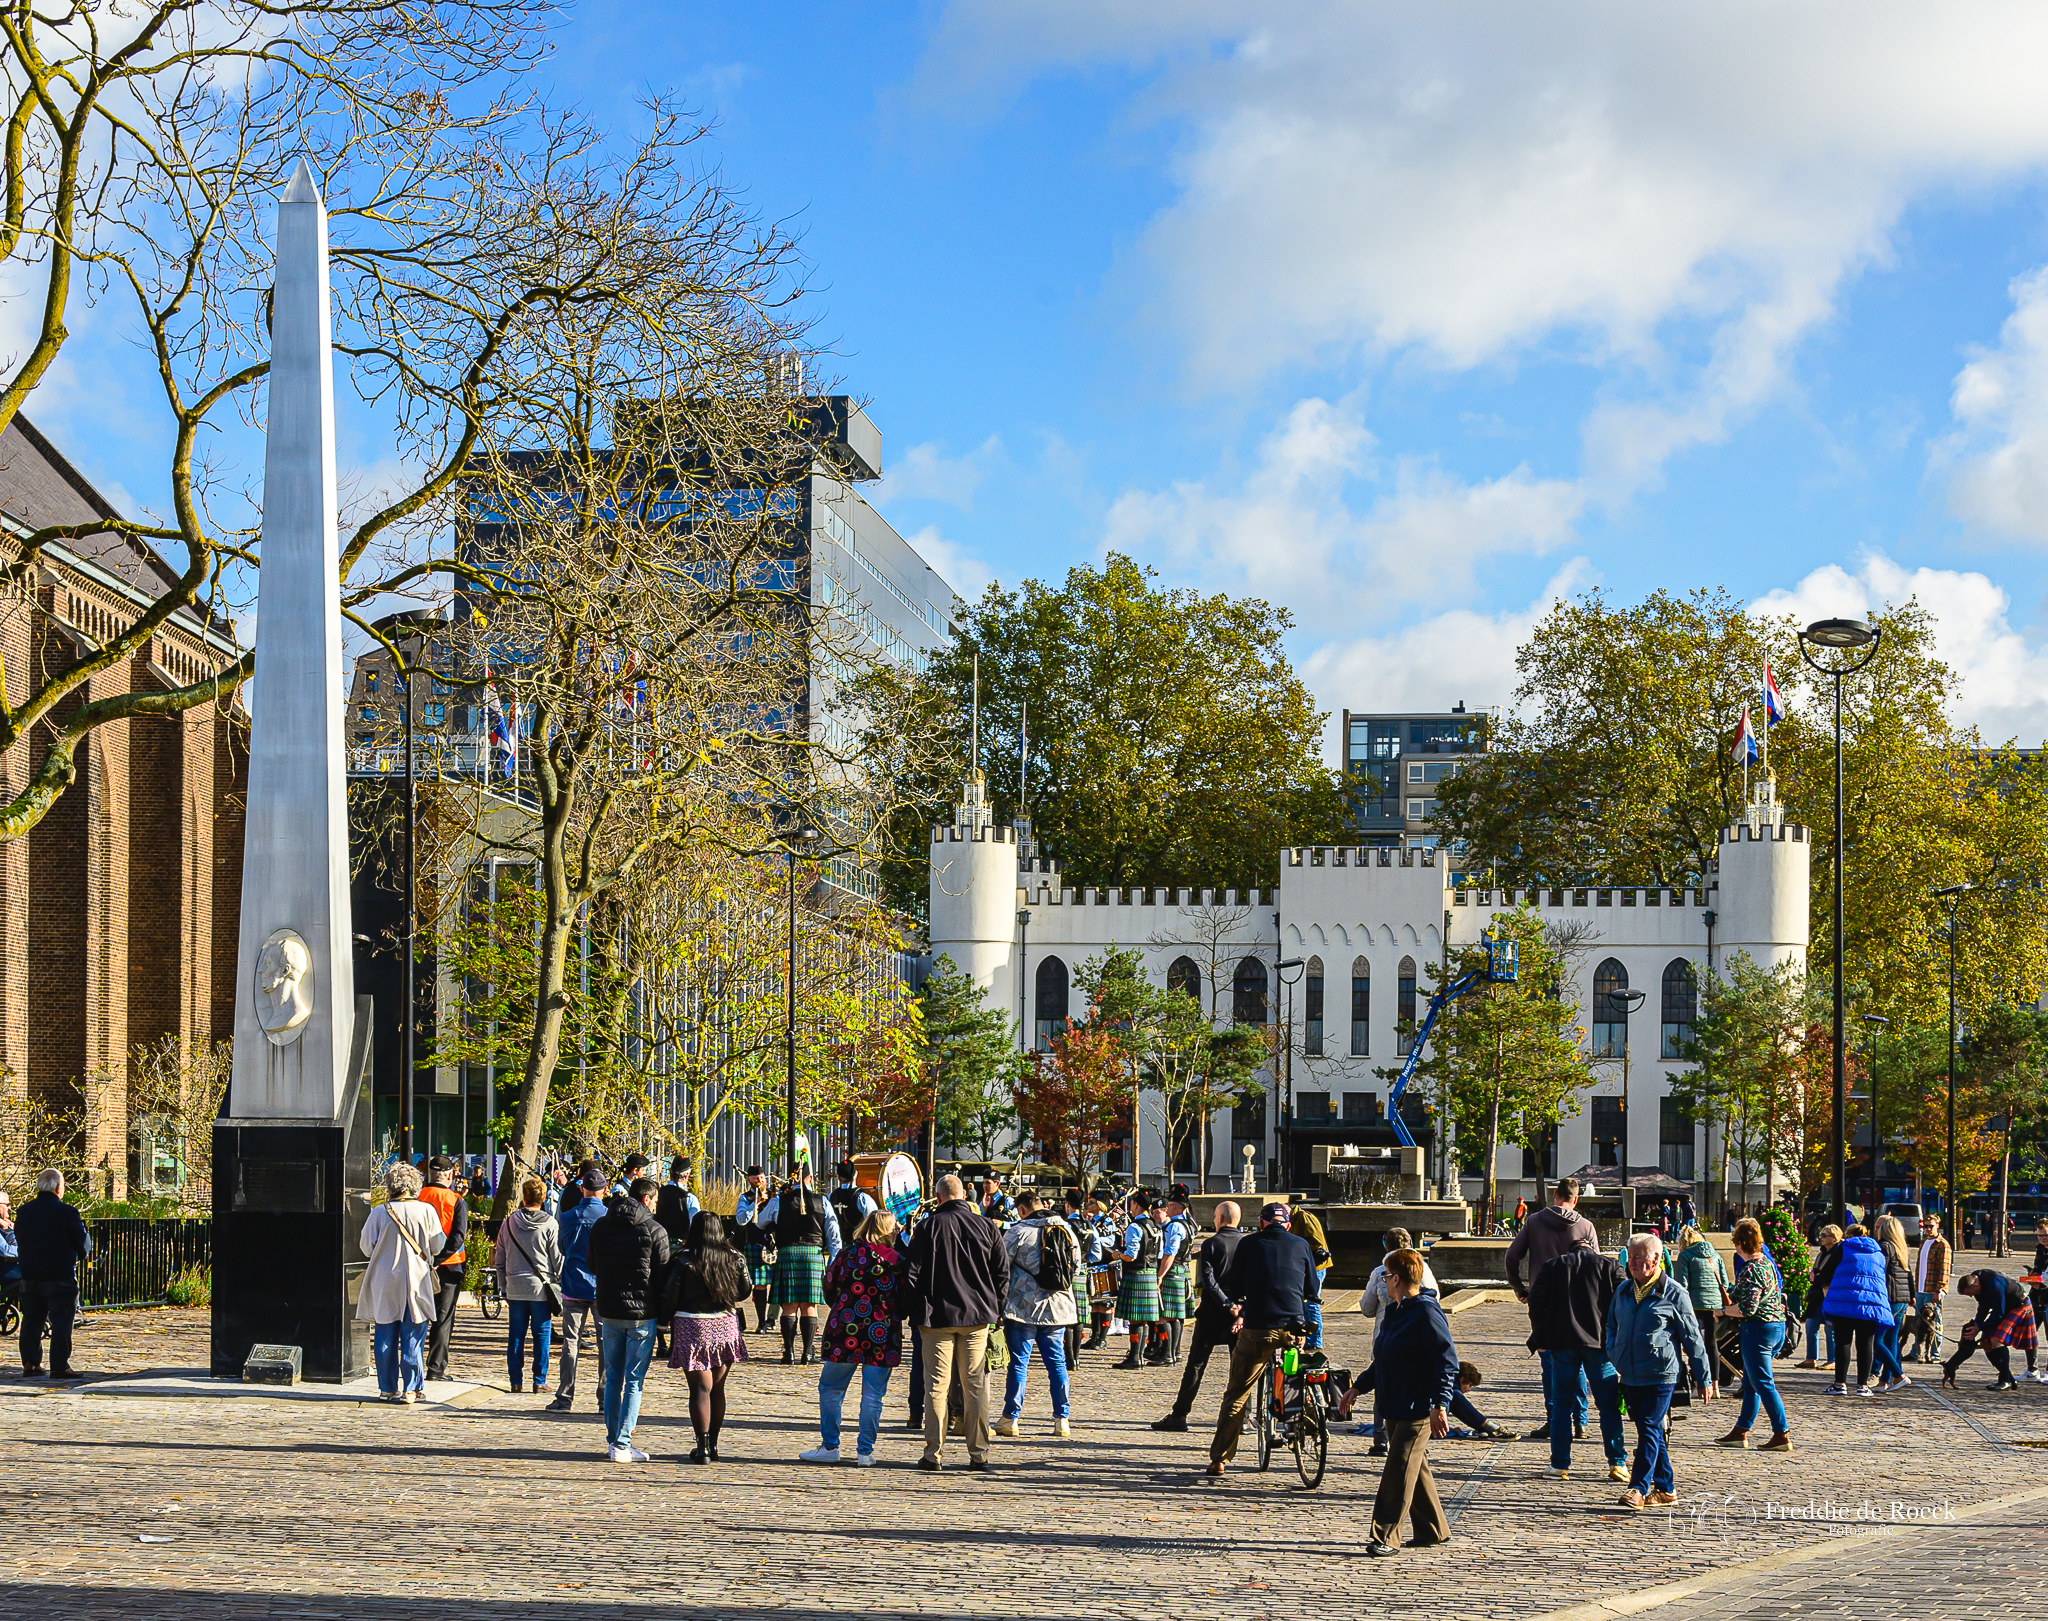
284,986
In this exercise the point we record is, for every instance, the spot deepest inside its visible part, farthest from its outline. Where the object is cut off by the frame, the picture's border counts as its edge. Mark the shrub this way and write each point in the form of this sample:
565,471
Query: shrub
191,1287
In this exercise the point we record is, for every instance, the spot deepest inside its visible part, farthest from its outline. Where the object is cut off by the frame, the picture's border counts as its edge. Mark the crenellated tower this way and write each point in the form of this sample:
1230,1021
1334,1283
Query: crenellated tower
1766,870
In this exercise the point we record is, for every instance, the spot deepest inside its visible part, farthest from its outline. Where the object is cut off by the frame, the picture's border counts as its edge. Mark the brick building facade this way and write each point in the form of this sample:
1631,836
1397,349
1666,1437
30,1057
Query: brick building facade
119,911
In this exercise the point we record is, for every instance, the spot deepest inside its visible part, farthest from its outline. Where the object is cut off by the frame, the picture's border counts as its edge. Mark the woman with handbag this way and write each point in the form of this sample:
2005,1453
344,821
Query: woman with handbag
708,1280
401,1238
529,1263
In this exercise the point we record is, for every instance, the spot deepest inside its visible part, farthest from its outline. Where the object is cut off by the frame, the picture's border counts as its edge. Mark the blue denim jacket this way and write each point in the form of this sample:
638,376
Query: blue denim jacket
1649,1341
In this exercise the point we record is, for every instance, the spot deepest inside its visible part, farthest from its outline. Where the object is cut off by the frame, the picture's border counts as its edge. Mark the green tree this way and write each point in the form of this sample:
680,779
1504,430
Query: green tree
971,1054
1170,743
1504,1059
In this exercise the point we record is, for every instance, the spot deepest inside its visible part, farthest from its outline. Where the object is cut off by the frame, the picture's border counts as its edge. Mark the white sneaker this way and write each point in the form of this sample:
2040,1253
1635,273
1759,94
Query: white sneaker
1061,1431
619,1454
638,1455
863,1460
819,1455
1006,1426
1902,1381
1863,1390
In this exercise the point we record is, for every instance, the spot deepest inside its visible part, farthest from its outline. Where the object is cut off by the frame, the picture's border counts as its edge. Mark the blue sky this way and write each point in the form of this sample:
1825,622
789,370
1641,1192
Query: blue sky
1410,318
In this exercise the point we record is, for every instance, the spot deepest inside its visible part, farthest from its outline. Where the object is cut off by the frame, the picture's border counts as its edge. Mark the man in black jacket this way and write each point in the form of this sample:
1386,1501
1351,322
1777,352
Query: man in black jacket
1271,1279
1568,1324
1214,1324
955,1276
1546,1235
53,1241
629,1257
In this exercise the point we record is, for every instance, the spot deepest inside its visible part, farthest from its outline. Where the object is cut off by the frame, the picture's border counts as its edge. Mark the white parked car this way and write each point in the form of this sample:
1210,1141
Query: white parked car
1909,1218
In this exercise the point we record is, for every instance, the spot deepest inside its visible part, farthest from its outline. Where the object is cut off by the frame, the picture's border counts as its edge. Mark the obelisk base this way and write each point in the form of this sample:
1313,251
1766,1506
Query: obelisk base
289,1201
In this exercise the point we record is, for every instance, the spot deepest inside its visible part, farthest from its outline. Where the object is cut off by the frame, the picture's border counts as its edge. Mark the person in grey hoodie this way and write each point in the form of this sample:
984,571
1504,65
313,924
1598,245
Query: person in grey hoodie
529,1263
1545,1236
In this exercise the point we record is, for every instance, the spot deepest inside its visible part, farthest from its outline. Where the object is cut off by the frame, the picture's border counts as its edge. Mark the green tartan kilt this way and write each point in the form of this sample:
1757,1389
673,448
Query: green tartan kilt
1173,1293
799,1276
1138,1300
760,1269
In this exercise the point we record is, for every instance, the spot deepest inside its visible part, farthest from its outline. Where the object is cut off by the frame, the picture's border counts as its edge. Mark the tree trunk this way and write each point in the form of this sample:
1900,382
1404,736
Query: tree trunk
551,971
1492,1150
1771,1151
2004,1187
1727,1123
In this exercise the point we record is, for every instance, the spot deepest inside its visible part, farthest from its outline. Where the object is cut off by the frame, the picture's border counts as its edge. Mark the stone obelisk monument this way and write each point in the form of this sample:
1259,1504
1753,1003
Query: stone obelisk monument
295,980
292,1153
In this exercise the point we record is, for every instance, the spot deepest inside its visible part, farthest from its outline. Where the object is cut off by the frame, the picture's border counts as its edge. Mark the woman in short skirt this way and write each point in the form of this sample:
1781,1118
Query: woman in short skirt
710,1279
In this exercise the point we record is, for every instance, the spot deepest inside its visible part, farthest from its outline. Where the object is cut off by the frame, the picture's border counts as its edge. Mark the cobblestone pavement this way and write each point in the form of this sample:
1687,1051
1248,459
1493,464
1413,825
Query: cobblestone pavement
133,1506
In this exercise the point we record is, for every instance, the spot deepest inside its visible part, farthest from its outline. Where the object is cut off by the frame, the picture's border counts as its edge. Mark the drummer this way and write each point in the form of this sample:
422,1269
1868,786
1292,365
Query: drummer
1137,1300
849,1201
1103,1238
997,1205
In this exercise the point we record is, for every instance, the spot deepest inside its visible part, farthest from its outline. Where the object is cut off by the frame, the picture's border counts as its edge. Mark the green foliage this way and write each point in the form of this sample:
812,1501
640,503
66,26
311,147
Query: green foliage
1170,740
1504,1060
192,1287
1613,767
970,1052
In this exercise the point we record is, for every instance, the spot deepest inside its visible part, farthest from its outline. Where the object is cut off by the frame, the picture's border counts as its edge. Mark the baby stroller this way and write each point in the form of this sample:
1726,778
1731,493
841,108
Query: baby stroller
10,1302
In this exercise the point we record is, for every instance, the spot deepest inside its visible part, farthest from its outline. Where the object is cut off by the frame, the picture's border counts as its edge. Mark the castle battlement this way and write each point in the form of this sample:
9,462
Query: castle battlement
967,834
1764,832
1136,897
1359,855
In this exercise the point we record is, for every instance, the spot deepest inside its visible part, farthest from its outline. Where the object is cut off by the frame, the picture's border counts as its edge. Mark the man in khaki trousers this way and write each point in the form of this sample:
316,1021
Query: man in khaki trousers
954,1278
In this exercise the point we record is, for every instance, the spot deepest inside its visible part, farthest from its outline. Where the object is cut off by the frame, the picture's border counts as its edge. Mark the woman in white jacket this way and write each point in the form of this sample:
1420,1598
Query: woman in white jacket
401,1238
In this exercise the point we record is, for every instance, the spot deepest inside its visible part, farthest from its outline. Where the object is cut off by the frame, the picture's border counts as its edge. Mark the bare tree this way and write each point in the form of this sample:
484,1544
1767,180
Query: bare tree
1216,939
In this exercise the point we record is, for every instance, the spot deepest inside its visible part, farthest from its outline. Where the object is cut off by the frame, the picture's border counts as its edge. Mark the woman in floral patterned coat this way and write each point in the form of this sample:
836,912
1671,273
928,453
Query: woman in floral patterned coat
864,1332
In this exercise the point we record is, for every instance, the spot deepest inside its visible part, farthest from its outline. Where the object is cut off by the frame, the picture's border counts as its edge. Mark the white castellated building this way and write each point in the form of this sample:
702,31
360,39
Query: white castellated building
1366,923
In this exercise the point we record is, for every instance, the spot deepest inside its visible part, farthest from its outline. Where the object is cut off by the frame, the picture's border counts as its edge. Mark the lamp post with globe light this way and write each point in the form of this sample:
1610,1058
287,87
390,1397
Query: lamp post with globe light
1851,644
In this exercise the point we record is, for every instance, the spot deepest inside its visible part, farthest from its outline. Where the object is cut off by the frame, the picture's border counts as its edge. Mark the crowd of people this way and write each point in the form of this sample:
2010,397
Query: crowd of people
978,1288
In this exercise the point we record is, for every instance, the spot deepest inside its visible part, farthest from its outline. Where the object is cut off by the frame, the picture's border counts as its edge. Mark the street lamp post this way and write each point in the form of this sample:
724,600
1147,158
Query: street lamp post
1846,639
1949,897
808,840
1628,1001
1875,1022
1287,1058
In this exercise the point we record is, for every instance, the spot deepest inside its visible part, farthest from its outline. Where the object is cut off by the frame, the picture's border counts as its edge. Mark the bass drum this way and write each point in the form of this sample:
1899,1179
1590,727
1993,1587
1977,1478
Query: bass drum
893,1181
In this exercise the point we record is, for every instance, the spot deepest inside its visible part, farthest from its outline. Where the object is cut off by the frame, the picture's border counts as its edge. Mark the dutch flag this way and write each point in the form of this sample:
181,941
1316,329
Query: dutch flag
504,751
1745,751
1774,703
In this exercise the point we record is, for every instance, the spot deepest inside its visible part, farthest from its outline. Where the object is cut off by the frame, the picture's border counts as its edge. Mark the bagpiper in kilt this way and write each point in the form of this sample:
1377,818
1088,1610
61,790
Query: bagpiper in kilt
756,1244
1177,1244
1137,1302
806,1237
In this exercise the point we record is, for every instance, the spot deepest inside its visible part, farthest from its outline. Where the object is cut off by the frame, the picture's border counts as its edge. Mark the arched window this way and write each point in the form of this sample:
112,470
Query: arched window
1312,1010
1681,1004
1185,977
1248,993
1610,1012
1404,1005
1052,1001
1361,1007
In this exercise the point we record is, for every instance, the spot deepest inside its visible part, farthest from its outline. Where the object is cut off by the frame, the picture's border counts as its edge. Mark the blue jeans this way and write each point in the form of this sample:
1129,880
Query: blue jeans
525,1313
1574,1370
1579,1391
1813,1327
1648,1405
833,1379
1312,1316
628,1348
401,1352
1887,1350
1051,1341
1760,1342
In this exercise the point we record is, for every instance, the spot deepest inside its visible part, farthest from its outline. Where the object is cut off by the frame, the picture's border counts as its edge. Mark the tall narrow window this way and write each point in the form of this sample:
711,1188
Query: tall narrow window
1674,1139
1610,1013
1607,1126
1404,1005
1361,1008
1680,1003
1312,1010
1248,992
1185,977
1052,1001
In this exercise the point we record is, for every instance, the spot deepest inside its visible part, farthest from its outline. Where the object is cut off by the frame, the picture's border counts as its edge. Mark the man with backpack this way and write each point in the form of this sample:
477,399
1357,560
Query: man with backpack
1038,1307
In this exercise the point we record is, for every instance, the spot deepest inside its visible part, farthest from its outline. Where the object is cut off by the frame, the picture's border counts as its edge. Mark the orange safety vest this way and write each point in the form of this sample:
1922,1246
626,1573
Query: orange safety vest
444,1201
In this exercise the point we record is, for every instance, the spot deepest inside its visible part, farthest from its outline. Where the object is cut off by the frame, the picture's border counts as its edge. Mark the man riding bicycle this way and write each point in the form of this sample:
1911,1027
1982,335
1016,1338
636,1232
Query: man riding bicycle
1270,1282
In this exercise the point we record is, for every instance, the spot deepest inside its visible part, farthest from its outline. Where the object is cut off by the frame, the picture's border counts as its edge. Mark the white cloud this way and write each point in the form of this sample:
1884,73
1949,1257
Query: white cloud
2003,671
967,574
1460,656
927,473
1999,455
1289,531
1673,193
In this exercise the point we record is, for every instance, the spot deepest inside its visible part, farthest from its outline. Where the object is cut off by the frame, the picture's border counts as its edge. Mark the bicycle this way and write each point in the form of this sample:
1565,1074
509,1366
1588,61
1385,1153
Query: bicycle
488,1300
1294,1411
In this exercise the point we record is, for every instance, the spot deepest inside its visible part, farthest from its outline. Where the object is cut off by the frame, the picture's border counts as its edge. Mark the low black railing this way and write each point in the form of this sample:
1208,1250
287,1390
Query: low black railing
134,1258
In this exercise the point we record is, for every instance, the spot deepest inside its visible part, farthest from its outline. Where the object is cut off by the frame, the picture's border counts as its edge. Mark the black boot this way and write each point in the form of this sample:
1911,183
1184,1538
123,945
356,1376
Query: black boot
1133,1358
1173,1333
809,1323
788,1337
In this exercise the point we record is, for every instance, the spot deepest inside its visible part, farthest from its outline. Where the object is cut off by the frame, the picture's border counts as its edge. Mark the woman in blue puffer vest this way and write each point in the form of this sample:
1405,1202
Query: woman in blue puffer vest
1857,1302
